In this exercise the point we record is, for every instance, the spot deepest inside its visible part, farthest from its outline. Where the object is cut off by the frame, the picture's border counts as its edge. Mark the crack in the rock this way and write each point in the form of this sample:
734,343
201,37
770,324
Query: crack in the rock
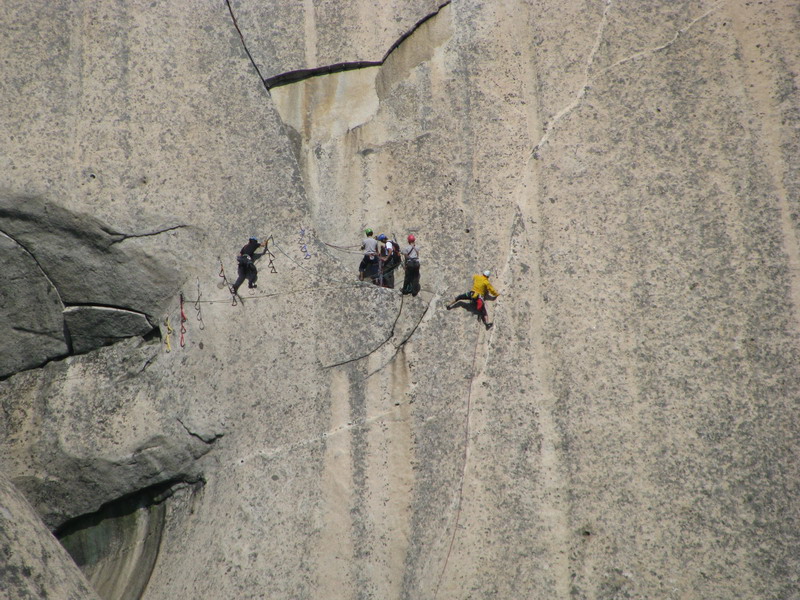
244,45
95,305
38,264
465,461
668,44
207,439
127,236
586,83
47,334
588,79
110,307
301,74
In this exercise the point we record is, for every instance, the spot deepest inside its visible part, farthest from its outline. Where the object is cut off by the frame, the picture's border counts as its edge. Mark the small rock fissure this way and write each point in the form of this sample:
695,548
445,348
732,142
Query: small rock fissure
126,236
205,438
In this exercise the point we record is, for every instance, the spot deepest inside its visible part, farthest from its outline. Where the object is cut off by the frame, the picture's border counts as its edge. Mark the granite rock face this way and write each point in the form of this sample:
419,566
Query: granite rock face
627,429
34,564
31,317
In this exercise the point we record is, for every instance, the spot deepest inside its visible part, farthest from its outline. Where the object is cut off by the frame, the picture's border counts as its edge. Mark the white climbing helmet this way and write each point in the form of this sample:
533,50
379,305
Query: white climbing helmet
487,273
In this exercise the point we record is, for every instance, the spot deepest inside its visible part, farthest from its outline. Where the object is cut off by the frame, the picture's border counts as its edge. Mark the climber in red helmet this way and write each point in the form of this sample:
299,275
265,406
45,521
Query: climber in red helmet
411,255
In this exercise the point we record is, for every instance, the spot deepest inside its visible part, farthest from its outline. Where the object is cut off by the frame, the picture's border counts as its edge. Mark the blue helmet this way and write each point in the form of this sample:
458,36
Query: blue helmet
382,237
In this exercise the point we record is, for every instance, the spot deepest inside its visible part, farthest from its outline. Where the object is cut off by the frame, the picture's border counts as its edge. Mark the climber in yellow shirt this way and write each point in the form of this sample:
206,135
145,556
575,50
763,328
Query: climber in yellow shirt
481,288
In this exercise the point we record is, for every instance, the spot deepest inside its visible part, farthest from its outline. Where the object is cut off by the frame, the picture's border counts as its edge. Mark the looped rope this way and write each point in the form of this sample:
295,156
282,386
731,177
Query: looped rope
350,249
169,332
183,322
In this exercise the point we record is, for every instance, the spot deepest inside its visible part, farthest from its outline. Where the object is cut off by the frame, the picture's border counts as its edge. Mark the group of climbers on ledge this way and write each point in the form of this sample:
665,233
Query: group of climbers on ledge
381,257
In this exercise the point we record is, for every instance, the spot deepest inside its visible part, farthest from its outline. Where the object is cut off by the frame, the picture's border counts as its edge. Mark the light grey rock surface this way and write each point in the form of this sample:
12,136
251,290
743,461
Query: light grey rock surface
629,426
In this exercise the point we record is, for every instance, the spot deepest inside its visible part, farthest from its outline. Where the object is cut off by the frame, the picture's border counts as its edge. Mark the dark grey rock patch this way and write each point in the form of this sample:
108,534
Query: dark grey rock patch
30,312
55,258
90,327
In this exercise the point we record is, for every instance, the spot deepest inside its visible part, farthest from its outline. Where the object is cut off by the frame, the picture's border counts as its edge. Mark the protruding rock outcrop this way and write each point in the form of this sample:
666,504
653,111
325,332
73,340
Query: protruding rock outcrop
33,564
73,285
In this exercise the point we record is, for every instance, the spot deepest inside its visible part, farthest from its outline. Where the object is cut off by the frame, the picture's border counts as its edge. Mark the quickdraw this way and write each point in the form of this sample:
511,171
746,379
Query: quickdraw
226,282
197,307
169,332
269,253
183,322
303,245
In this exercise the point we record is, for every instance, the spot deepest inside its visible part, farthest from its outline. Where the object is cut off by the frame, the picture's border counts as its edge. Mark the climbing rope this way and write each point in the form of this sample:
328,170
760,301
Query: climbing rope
349,249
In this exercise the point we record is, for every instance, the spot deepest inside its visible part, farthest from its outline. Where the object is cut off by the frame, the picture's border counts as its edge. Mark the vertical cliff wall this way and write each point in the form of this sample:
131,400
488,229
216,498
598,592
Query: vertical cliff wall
628,428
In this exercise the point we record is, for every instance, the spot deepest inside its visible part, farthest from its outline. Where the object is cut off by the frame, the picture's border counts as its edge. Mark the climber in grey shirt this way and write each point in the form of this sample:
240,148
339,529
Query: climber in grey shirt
370,260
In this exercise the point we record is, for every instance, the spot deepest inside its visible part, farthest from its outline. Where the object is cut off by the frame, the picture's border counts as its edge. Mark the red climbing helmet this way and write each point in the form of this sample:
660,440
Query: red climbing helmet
411,238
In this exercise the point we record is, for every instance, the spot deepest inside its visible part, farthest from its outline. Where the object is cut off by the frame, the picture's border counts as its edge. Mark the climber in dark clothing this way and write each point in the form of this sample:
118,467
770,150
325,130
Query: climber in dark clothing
246,263
411,280
391,259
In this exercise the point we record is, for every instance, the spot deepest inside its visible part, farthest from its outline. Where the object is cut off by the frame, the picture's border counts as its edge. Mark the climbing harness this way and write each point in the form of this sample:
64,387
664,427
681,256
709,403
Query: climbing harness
183,322
169,332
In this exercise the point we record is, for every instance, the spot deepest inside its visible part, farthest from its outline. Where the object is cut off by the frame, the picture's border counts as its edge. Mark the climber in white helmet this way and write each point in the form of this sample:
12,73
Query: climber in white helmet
481,289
